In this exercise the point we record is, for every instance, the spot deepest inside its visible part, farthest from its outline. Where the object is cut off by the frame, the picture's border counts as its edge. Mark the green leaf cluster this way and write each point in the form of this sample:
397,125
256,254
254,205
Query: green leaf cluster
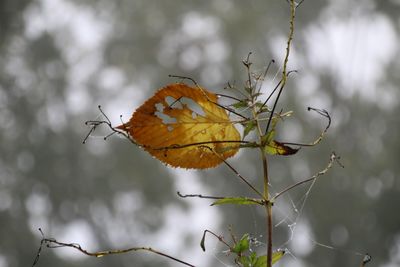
248,258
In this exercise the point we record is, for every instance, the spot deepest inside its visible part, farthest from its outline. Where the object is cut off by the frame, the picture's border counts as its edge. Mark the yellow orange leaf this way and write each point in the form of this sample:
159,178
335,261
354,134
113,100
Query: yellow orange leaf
184,127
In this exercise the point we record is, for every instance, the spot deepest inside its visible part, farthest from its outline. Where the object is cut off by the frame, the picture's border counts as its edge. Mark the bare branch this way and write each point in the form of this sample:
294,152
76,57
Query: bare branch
333,159
237,174
321,112
198,196
96,123
52,243
219,237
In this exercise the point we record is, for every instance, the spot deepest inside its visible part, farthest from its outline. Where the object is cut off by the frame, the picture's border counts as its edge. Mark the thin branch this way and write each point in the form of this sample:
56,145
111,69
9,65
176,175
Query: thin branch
52,243
322,112
237,173
233,87
219,237
247,63
176,146
96,123
286,60
184,78
197,195
272,61
254,200
230,97
270,95
333,159
274,90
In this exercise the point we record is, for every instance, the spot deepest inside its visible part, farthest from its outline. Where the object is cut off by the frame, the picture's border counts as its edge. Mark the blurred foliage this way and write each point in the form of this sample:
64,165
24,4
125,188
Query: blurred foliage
60,59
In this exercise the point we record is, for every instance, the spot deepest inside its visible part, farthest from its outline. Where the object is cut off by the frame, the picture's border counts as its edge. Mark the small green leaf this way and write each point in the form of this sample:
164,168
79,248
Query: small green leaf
253,258
242,245
244,260
262,260
241,104
277,255
237,201
269,137
203,239
249,126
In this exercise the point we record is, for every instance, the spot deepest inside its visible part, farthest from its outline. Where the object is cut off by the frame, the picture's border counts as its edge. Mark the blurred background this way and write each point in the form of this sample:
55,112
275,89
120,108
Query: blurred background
60,59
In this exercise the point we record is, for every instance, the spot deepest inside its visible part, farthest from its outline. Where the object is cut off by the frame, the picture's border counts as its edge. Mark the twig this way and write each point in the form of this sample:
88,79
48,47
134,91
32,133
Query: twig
247,63
202,144
52,243
237,173
333,158
253,200
96,123
322,112
285,62
230,97
219,237
197,195
272,61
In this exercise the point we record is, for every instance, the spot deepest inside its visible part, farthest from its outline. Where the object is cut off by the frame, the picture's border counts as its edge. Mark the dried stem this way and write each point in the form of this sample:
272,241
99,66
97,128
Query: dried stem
52,243
268,204
253,200
219,237
286,60
333,159
197,195
237,174
322,112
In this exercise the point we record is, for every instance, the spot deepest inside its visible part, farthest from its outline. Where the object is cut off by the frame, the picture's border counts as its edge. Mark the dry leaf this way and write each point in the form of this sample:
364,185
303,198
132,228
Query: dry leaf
183,127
